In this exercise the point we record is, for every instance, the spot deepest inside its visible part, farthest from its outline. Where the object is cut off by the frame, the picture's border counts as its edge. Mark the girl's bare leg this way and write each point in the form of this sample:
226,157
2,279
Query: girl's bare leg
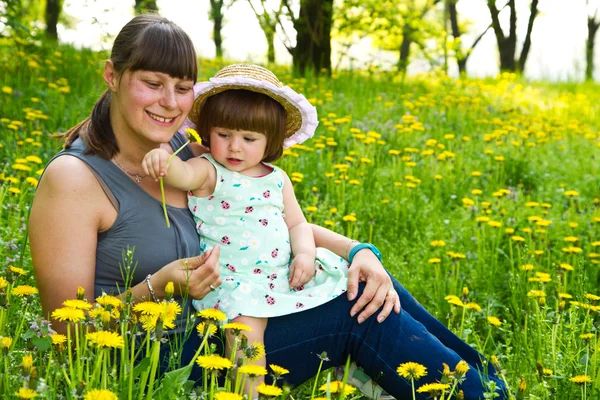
257,334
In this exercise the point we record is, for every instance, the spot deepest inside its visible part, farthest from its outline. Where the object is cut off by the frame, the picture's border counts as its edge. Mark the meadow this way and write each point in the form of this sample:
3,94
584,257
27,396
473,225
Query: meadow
481,194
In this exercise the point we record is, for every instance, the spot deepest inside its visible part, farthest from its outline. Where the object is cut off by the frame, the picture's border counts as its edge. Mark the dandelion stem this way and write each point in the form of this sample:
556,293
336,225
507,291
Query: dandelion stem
316,380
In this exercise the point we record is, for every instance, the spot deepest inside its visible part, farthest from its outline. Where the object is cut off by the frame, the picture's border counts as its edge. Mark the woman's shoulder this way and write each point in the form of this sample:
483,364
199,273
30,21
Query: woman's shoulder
69,174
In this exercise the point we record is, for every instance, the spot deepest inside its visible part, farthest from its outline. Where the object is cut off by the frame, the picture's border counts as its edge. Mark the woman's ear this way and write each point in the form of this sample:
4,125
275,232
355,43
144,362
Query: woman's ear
110,75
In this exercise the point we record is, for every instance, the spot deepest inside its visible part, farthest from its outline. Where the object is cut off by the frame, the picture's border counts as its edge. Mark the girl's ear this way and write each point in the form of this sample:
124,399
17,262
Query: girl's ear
110,76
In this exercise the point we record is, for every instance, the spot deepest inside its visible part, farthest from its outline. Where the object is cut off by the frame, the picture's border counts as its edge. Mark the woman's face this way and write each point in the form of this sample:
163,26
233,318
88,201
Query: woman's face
149,105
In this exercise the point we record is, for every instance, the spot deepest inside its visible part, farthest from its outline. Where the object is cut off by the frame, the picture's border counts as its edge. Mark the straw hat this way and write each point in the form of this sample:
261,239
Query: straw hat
301,119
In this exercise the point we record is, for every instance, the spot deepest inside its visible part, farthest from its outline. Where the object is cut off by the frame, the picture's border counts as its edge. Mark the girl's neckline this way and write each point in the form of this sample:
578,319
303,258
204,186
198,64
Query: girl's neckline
270,167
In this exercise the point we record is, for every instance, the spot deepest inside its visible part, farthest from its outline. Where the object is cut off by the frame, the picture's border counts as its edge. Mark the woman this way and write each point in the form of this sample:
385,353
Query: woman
93,202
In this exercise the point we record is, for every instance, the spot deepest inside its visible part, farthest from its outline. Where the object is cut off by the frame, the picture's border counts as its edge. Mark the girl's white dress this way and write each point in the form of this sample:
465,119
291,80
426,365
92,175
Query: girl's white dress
245,217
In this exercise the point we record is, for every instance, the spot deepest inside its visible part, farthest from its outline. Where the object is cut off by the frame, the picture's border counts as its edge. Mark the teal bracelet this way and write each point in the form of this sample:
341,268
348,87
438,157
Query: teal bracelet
362,246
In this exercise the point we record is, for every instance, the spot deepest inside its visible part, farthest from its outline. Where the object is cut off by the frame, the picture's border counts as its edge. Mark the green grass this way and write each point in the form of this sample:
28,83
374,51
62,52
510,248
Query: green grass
400,157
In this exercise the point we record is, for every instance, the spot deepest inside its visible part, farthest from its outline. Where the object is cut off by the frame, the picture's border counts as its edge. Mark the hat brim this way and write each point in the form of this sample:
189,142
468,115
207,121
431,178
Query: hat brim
301,116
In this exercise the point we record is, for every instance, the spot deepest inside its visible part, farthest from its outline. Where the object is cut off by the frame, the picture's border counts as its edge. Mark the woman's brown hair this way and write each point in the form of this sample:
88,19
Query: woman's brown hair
147,42
240,109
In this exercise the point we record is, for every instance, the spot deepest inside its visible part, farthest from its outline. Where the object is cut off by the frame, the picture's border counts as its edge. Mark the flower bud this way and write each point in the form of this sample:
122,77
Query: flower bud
169,290
80,293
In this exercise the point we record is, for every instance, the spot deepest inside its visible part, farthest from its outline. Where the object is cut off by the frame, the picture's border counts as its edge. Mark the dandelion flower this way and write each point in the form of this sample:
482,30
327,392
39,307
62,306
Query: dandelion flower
411,370
213,362
237,327
194,135
100,394
212,315
494,321
148,308
24,290
581,379
433,388
201,329
17,270
253,370
26,393
106,300
518,238
461,369
227,396
255,351
6,342
571,193
3,283
591,297
268,390
68,314
79,304
277,370
106,339
586,336
336,387
57,338
566,267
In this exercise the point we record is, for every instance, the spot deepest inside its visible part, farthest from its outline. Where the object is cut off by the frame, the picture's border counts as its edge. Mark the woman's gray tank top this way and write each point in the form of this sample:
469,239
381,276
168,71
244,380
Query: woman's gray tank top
140,225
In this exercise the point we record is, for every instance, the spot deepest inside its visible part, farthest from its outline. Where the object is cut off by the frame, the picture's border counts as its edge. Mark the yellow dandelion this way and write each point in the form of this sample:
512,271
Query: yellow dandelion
438,243
5,342
79,304
106,339
312,209
454,300
586,336
255,351
269,390
494,321
3,283
581,379
106,300
411,370
433,388
194,135
349,218
336,387
527,267
17,270
566,267
461,369
565,296
26,393
57,338
213,362
473,306
227,396
100,394
24,290
518,238
571,193
591,297
212,315
148,308
253,370
68,314
201,329
277,370
237,327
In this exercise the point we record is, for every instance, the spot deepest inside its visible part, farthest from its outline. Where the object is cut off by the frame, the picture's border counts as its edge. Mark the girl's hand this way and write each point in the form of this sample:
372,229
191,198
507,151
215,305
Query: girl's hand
155,163
197,275
302,270
378,292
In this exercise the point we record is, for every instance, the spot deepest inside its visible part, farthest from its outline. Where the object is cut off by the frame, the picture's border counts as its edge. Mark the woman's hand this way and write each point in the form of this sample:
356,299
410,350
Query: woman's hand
378,292
197,275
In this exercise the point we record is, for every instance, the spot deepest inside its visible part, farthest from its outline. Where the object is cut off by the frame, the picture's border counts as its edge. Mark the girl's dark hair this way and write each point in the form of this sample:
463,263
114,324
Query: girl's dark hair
147,42
240,109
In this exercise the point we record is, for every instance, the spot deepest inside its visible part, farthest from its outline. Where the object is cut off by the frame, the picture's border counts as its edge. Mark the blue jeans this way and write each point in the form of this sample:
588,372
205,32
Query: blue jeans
294,341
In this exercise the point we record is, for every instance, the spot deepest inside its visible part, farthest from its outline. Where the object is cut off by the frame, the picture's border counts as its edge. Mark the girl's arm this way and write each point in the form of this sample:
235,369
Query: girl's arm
301,238
193,174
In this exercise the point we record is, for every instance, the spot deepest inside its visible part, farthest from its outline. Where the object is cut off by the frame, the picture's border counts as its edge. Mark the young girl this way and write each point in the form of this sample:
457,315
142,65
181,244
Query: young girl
269,264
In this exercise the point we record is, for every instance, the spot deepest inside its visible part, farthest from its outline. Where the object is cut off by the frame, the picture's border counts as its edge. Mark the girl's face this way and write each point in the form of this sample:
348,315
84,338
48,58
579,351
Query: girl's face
240,151
148,105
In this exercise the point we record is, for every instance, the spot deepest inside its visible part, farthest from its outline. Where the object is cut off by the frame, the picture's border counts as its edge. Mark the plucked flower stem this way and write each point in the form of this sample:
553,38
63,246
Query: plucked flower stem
162,187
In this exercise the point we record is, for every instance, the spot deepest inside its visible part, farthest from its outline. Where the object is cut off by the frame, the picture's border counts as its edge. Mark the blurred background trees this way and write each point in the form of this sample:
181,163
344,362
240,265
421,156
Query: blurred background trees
424,31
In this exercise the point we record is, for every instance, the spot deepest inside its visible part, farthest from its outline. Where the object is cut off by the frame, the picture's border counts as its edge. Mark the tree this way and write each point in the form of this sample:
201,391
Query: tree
462,55
216,15
593,23
507,45
53,8
268,22
393,24
312,51
144,6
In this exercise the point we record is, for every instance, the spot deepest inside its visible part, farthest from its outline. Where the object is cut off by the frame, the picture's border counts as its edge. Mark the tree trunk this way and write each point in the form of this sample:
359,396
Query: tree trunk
52,12
313,37
593,26
144,6
405,49
453,15
270,36
527,43
216,15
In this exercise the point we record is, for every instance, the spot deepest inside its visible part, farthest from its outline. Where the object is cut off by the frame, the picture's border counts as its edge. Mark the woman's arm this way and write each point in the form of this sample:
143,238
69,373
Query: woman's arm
365,267
68,211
